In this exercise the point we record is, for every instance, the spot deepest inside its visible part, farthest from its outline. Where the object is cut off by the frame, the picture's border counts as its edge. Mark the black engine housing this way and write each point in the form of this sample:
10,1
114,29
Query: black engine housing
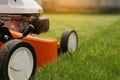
41,24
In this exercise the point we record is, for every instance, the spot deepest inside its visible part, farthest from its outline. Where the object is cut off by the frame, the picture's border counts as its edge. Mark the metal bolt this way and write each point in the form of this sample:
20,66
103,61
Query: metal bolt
6,37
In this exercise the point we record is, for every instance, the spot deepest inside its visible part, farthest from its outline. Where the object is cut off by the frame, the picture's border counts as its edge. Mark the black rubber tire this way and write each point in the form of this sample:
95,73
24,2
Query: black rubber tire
64,40
6,52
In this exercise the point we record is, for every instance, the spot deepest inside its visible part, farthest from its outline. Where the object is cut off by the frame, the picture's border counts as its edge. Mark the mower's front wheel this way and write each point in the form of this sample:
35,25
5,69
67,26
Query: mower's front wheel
17,60
69,41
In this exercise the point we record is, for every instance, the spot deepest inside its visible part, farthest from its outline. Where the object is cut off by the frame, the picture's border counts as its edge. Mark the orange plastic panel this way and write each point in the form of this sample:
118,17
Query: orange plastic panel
1,44
46,48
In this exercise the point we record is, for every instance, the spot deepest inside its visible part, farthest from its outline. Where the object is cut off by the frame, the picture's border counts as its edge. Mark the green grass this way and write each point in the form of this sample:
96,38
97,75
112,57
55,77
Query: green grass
98,54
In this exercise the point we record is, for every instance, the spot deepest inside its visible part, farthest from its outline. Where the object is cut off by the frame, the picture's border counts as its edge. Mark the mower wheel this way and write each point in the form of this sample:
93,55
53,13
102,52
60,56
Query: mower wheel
69,41
17,60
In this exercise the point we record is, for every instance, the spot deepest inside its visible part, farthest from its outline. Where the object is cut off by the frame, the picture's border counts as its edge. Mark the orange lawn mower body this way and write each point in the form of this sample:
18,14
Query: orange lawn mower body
46,48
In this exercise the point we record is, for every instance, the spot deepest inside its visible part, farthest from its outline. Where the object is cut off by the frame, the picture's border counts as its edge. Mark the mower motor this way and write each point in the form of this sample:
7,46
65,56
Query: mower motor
20,22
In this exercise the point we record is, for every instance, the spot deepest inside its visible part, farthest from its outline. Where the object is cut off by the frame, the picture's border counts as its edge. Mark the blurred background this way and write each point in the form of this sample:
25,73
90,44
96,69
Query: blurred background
80,6
98,53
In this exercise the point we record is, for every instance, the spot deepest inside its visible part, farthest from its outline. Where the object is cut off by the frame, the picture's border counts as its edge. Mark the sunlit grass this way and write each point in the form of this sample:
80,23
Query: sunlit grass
85,25
97,57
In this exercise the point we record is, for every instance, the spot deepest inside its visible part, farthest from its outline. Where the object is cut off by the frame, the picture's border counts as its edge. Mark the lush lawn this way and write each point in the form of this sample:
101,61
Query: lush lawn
98,55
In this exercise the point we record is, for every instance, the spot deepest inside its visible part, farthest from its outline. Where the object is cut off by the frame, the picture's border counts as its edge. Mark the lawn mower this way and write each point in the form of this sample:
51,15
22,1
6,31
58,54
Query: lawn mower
20,52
